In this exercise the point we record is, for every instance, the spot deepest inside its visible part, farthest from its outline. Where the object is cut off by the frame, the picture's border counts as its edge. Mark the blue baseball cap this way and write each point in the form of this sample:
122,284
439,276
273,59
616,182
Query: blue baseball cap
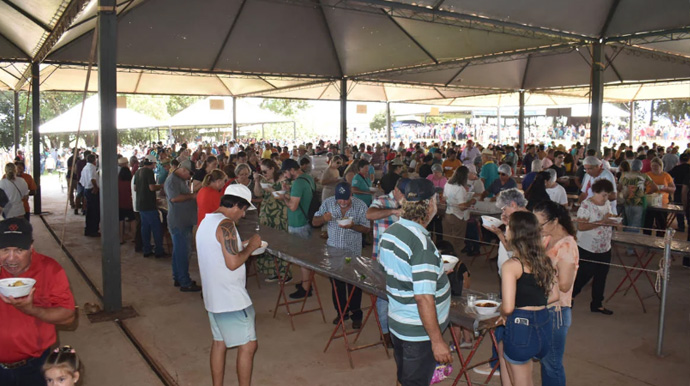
343,191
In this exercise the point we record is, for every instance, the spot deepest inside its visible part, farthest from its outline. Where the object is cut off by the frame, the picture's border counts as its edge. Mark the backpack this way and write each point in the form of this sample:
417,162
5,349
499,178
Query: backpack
314,205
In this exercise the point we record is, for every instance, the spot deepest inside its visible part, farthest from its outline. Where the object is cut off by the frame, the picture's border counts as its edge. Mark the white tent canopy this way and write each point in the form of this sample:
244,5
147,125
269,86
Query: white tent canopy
217,112
69,121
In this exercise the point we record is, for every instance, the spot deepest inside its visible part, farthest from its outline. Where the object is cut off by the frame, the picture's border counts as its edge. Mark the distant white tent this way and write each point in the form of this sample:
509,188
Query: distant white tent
69,121
217,112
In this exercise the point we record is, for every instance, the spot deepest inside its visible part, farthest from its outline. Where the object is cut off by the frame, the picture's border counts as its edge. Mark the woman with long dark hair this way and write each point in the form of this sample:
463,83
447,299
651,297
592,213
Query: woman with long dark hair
526,283
537,190
559,234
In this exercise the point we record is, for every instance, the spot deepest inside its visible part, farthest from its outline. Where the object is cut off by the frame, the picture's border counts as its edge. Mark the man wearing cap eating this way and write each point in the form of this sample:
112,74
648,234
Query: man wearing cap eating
181,221
418,289
504,182
349,237
28,323
222,258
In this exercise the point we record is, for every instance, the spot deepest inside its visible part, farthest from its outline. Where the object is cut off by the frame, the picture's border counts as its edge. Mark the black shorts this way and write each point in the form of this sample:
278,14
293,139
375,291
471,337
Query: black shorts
126,214
415,362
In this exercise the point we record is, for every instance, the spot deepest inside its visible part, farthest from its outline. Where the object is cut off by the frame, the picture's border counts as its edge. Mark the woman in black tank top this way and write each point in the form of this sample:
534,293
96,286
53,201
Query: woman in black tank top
526,281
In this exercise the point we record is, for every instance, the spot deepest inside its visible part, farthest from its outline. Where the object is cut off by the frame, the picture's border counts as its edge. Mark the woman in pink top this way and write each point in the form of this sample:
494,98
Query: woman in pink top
559,237
437,177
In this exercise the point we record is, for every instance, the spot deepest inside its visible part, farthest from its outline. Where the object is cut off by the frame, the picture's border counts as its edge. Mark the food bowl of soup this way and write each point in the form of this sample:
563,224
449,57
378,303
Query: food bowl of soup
266,185
373,189
278,193
345,221
261,249
486,307
449,262
16,287
489,221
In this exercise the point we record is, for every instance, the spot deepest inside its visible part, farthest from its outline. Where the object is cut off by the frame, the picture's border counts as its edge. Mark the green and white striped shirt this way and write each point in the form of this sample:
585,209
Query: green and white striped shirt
413,266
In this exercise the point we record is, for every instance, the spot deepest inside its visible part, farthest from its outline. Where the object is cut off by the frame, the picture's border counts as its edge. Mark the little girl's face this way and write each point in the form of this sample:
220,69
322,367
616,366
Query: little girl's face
60,377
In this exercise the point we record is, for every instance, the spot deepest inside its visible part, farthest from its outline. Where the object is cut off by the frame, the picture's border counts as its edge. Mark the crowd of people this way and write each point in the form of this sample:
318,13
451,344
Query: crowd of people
406,203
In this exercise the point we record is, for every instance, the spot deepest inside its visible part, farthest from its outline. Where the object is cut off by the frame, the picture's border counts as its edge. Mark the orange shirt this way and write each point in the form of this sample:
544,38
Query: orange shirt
32,186
565,249
450,166
664,179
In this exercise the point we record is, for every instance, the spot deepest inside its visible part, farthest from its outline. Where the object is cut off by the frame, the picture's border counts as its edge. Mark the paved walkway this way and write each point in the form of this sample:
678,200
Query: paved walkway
173,328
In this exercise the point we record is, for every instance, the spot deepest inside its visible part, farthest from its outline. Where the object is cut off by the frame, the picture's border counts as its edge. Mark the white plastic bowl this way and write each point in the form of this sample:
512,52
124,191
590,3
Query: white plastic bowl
261,249
618,220
449,262
345,221
489,221
486,310
266,185
278,193
373,189
16,292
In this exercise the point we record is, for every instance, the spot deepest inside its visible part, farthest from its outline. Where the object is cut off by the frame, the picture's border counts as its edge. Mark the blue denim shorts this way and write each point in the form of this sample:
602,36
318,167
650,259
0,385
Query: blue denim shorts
528,335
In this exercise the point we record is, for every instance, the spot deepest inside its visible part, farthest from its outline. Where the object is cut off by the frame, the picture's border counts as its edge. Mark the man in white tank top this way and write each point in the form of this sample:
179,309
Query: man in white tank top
222,256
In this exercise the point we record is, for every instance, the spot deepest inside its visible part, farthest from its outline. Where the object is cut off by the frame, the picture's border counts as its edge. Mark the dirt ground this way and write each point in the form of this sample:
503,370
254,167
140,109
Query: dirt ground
173,326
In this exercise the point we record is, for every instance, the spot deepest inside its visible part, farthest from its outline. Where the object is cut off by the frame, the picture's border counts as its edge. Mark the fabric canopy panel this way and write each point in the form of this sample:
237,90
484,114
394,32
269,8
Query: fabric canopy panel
217,112
69,121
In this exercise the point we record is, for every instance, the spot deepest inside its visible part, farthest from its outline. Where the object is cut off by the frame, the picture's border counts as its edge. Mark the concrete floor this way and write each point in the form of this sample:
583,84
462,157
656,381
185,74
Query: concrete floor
173,327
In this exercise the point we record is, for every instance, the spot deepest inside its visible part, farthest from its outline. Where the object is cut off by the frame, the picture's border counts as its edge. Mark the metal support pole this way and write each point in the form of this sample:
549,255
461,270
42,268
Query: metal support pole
388,122
107,94
35,123
521,123
498,124
632,122
234,118
294,131
664,290
343,114
16,122
597,88
263,135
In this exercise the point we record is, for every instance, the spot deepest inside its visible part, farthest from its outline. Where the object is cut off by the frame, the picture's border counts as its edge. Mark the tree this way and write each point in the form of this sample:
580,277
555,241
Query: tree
177,103
286,107
673,109
378,122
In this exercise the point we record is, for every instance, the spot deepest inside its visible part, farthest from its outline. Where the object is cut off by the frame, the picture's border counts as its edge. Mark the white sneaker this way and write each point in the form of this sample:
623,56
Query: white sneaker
485,369
466,345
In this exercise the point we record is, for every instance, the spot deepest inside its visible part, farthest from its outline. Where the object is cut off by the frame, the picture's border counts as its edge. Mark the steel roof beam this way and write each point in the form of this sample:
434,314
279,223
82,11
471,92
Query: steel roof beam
227,37
609,17
409,36
71,12
27,15
330,37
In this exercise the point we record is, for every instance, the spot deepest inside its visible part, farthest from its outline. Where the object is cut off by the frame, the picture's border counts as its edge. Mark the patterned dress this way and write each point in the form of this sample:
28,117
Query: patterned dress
272,213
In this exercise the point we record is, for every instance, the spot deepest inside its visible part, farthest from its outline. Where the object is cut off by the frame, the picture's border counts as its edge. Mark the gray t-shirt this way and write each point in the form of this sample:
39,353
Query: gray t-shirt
180,214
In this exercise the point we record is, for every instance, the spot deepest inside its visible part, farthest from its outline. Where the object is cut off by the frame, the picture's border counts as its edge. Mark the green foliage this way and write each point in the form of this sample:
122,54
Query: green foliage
286,107
673,109
378,122
154,106
177,103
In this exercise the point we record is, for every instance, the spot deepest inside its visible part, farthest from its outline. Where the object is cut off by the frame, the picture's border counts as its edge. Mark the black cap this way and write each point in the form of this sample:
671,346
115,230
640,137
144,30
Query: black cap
289,164
419,189
16,232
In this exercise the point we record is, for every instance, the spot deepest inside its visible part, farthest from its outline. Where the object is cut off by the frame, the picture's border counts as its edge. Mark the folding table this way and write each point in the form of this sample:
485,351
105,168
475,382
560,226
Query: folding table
646,248
464,316
671,210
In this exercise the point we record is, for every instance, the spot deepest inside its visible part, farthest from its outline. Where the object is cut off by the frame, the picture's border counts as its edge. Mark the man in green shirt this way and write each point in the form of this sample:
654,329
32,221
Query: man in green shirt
418,289
361,183
298,198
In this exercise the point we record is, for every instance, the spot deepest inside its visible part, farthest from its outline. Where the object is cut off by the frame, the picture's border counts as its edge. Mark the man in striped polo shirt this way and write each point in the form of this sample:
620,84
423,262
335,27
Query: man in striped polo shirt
418,289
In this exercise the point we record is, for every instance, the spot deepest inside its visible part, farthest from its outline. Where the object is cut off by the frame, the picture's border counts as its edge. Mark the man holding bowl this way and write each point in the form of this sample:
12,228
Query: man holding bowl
347,221
28,322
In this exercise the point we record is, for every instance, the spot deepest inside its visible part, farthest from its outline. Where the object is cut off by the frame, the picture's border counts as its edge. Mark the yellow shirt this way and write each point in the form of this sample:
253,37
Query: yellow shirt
266,154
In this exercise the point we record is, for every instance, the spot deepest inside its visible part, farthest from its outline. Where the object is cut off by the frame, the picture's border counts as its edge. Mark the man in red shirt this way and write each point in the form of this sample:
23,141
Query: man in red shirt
28,323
